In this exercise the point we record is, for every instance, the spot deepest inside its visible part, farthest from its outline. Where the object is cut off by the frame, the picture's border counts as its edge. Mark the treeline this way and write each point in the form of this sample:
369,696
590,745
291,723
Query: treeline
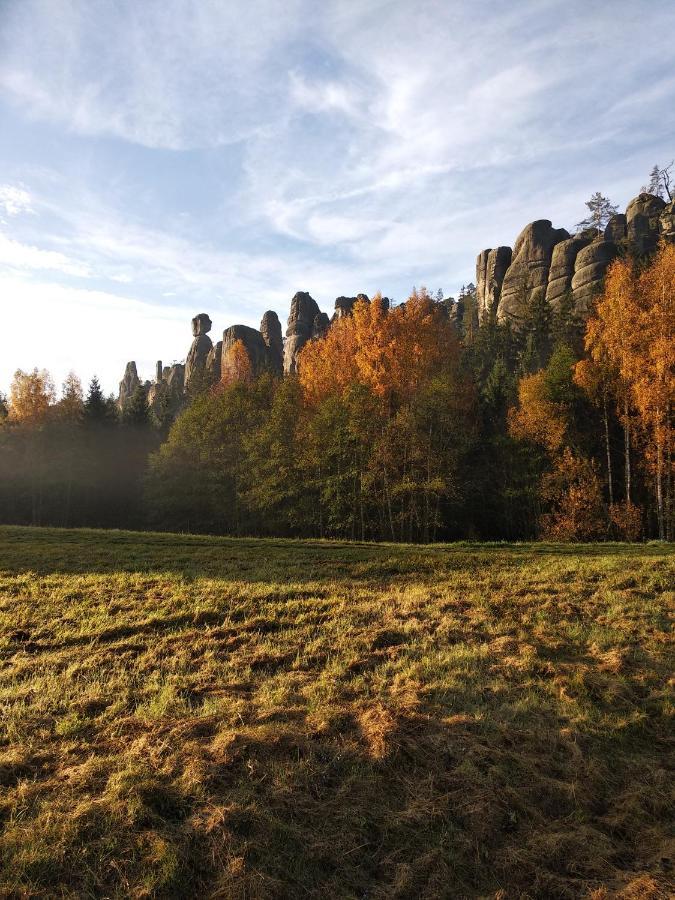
400,426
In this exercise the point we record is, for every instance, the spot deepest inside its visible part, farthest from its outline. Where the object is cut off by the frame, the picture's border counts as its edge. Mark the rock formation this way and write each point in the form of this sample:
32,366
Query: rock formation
589,271
166,394
270,329
667,222
491,267
561,272
195,364
253,345
213,363
616,229
527,276
642,218
320,325
345,305
548,259
128,385
304,310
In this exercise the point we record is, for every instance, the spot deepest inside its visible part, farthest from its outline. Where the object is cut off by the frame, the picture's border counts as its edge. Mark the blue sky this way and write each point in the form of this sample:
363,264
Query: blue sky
168,157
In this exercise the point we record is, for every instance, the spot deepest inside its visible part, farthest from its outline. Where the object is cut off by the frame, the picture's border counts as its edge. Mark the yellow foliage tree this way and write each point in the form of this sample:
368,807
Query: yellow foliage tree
30,397
632,335
390,351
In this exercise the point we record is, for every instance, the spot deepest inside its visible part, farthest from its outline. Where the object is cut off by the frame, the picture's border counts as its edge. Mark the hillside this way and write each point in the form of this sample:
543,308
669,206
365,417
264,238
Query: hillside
189,715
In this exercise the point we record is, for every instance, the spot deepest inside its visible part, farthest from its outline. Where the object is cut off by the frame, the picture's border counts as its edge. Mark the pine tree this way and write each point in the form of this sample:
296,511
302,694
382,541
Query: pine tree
600,211
96,408
137,411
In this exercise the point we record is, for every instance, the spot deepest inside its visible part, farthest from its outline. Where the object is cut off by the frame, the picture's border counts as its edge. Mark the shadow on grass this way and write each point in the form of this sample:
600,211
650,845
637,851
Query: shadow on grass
84,551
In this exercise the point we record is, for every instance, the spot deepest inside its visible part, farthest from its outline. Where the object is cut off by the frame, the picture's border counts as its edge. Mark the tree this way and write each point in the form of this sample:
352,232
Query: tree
600,211
71,404
572,491
136,411
98,409
634,329
30,396
660,181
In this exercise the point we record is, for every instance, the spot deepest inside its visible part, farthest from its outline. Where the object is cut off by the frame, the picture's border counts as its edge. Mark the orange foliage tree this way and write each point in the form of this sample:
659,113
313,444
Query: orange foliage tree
632,336
236,365
390,352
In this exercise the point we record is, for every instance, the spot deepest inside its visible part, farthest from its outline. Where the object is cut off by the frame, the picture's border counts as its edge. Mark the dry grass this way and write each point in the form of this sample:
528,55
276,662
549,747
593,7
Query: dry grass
191,716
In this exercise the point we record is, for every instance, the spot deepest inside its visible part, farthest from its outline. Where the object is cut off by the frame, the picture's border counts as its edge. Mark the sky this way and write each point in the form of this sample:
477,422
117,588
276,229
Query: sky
168,157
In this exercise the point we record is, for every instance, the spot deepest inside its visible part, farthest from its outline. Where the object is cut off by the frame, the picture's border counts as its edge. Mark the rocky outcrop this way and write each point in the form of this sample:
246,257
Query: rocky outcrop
561,272
345,305
304,310
270,329
589,271
667,223
320,325
166,394
643,215
616,229
195,364
128,385
213,362
253,345
527,276
491,267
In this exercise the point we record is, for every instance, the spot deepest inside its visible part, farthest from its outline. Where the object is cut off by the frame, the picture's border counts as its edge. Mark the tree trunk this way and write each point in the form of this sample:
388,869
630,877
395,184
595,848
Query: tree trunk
610,480
626,449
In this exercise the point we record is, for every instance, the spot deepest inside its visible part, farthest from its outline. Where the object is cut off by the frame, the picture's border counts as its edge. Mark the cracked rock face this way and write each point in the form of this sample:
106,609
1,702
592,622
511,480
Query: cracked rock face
254,346
303,312
129,383
213,362
270,329
561,272
667,222
643,215
491,267
589,271
527,276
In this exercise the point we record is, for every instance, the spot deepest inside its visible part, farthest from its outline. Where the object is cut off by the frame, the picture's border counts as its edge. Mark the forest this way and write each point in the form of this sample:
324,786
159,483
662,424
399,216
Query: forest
400,425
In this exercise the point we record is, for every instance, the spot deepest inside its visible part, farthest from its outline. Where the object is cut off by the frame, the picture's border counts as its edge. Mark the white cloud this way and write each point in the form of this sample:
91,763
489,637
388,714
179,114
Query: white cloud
24,256
15,200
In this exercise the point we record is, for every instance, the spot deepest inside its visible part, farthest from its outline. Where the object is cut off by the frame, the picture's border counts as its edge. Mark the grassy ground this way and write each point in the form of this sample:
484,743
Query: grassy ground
192,716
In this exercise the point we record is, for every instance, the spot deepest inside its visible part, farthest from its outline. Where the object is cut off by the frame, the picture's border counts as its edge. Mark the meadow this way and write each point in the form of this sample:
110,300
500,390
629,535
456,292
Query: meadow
194,716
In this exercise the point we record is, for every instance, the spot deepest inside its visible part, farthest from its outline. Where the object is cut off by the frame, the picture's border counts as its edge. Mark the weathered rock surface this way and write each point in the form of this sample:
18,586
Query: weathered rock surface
561,272
667,223
589,270
643,215
252,343
345,305
213,362
320,325
304,310
128,385
166,394
195,364
270,329
616,229
527,276
491,267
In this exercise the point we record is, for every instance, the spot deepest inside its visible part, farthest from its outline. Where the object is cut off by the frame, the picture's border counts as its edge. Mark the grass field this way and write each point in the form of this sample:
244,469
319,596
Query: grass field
190,716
